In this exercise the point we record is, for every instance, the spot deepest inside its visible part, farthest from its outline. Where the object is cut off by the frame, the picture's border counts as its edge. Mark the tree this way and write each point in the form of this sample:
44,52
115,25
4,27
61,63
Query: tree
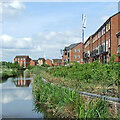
22,66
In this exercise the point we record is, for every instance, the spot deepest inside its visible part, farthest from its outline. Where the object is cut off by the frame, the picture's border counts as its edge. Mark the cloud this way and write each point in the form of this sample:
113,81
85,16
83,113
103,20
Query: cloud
11,9
43,43
8,42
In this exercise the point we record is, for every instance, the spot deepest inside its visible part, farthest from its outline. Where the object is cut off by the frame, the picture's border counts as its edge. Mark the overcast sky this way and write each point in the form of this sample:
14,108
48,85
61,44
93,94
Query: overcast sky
41,29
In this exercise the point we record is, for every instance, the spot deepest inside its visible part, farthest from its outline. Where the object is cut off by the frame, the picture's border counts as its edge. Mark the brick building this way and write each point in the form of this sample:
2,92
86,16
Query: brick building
22,60
73,53
118,49
56,62
104,41
33,62
48,62
41,61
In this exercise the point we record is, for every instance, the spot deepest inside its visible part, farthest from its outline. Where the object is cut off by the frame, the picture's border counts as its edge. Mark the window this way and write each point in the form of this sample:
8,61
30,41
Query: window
109,25
78,56
119,40
104,30
88,53
107,58
21,62
18,58
106,45
104,58
78,50
103,44
24,58
74,50
109,42
21,58
74,56
99,34
65,52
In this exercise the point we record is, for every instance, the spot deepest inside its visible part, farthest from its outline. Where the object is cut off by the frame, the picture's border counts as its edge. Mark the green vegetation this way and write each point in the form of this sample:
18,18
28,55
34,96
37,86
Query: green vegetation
45,65
94,77
9,69
65,103
8,73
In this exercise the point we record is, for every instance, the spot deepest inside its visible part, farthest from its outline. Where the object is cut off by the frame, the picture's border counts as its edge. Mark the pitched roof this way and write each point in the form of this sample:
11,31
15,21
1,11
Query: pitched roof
48,59
71,46
23,56
41,59
36,61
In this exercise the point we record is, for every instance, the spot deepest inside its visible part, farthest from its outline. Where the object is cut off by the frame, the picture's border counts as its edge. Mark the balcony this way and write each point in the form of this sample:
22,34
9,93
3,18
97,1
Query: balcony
86,55
102,49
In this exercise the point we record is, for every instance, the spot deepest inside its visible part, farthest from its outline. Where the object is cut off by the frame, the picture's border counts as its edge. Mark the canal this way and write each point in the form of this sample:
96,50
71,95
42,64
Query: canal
17,99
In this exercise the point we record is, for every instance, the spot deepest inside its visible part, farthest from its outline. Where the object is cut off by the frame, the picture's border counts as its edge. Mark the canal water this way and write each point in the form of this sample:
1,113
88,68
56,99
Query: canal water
17,98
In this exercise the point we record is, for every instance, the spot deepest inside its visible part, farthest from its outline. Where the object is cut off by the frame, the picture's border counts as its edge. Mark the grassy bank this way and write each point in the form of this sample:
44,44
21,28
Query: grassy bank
94,77
8,73
64,103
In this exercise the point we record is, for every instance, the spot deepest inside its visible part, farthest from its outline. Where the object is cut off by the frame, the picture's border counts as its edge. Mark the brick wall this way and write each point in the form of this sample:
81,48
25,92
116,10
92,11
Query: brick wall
32,63
48,62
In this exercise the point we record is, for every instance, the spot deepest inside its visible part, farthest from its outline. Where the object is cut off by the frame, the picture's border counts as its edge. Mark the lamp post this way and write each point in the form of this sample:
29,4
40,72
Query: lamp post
83,30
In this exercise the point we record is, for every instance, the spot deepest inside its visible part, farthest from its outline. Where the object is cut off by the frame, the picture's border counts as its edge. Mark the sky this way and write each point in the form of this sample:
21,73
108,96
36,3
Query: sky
42,29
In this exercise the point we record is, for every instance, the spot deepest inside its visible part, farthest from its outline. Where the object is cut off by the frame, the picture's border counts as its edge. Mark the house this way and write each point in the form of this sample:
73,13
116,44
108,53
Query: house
48,62
104,41
72,53
41,61
33,62
56,62
22,60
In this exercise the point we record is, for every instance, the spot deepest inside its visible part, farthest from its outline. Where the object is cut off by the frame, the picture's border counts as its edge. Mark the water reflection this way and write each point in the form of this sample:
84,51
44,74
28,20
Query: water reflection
17,99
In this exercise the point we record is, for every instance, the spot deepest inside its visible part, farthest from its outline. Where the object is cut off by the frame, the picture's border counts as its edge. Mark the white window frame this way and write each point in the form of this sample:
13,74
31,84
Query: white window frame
74,50
118,40
109,25
75,56
106,45
109,44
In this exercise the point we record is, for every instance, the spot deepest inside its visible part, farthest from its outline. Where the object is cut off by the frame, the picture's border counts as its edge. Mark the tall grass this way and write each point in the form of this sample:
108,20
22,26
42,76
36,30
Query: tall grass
65,103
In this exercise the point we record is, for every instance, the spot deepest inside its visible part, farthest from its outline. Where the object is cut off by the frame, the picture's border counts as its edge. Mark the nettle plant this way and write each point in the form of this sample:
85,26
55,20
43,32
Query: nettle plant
94,72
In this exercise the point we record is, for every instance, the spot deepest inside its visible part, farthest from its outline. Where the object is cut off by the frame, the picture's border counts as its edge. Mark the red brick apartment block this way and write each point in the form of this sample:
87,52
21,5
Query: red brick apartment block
33,62
41,61
104,41
48,62
56,62
73,53
22,60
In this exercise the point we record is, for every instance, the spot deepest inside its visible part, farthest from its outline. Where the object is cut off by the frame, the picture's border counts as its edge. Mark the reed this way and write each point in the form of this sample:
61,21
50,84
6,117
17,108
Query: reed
65,103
